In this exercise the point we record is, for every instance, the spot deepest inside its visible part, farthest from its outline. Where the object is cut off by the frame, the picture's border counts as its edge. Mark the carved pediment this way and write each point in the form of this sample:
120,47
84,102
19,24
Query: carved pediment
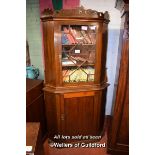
79,12
47,12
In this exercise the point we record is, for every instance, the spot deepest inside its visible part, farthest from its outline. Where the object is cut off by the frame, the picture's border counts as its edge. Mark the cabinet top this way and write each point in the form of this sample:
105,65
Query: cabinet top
77,13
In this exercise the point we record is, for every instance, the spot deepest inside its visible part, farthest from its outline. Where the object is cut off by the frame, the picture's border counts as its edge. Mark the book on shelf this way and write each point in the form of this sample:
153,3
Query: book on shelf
82,74
68,62
73,36
71,39
64,39
86,37
69,36
93,37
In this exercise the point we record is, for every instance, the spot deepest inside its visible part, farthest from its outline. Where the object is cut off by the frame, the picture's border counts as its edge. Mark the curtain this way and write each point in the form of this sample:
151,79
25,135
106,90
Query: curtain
65,4
44,4
70,4
58,4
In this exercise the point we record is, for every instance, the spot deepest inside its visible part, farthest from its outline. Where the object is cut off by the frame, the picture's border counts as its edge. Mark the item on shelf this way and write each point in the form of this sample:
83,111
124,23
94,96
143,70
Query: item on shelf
73,31
79,75
64,39
69,37
79,37
78,58
93,37
86,37
64,55
92,27
92,34
68,62
73,34
91,58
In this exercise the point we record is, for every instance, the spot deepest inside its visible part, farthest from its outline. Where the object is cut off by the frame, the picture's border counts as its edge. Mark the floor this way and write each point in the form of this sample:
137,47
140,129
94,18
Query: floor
48,150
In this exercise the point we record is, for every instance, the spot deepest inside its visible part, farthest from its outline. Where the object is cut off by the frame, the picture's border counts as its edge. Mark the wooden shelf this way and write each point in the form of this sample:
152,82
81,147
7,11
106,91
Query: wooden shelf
78,44
77,65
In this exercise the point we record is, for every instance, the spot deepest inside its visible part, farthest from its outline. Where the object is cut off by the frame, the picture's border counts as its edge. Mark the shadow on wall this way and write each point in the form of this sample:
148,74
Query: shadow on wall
112,55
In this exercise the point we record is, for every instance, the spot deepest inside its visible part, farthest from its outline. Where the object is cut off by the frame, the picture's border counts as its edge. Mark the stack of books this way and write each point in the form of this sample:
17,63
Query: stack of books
67,37
73,36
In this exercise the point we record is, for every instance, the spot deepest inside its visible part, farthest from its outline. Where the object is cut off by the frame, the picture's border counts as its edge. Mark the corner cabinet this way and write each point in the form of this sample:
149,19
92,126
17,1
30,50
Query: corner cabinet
75,43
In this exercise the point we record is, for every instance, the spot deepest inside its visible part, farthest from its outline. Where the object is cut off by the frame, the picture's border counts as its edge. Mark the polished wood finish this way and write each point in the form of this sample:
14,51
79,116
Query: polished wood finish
75,113
33,138
74,108
35,108
118,139
78,13
78,94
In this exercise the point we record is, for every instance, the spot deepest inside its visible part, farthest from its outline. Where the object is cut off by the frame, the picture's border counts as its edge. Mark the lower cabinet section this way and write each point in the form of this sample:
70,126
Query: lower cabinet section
78,113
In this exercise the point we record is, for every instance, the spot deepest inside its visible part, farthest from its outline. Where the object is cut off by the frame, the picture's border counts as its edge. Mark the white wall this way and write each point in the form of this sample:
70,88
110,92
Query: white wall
113,40
33,35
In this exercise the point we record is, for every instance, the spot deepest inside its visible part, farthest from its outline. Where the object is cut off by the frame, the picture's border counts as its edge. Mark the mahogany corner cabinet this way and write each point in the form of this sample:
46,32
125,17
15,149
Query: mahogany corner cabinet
75,45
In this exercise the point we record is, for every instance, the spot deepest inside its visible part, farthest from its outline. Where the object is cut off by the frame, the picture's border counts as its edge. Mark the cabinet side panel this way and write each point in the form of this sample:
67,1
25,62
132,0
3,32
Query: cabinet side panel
103,77
102,109
58,50
98,54
49,54
123,138
51,113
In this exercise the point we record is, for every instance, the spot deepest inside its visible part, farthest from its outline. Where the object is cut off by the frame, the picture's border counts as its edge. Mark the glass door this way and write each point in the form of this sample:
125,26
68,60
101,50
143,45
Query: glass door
78,53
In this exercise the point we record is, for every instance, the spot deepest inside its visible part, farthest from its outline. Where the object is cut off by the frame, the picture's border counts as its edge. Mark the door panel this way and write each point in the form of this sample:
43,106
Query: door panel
79,114
123,138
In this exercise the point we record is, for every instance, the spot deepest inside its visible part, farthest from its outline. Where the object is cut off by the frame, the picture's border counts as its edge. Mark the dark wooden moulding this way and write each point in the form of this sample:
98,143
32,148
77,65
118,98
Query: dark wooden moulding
118,136
75,108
